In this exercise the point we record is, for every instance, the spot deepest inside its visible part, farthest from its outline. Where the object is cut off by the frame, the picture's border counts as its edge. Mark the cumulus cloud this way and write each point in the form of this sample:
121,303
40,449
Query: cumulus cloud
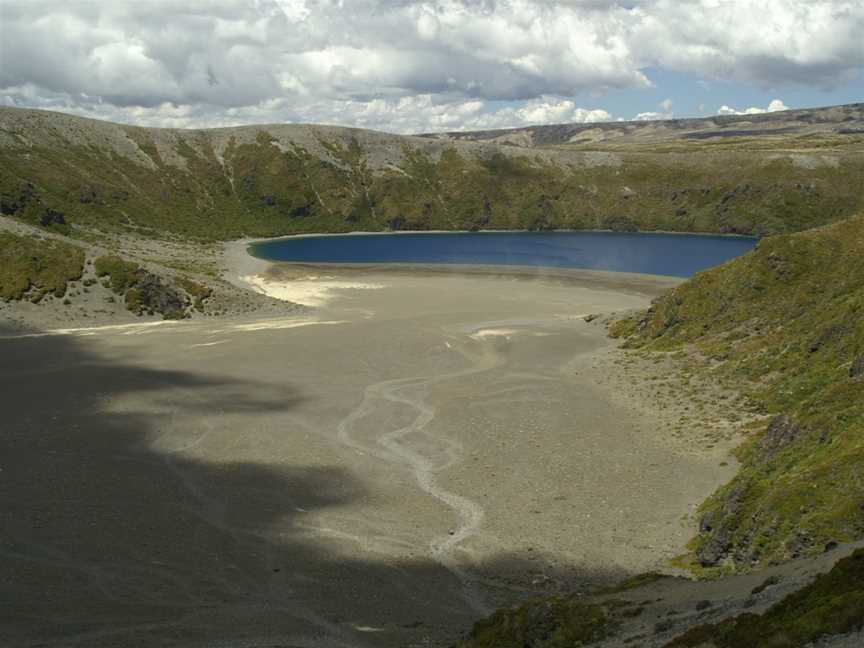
664,112
412,114
454,63
769,42
775,106
545,110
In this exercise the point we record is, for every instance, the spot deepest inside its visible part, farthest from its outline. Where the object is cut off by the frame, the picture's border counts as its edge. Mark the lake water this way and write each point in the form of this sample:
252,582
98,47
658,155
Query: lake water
677,255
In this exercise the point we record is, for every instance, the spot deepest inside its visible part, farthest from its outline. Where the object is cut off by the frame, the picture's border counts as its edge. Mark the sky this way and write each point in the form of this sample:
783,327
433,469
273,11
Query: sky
407,66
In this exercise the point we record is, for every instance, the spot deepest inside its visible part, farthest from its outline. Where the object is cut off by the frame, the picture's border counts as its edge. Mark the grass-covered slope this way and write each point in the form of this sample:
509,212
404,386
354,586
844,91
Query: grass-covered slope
68,173
785,324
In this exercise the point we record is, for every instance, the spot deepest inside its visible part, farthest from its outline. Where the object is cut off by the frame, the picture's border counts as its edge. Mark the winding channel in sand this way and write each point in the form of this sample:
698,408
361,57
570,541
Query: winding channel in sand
397,450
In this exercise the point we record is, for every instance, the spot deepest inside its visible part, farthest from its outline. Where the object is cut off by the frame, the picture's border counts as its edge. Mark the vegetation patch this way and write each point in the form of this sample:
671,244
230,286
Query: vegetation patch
34,266
197,291
556,622
121,274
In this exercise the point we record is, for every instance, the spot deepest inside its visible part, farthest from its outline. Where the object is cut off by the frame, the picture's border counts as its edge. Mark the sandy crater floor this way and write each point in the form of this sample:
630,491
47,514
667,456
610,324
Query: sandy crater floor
421,448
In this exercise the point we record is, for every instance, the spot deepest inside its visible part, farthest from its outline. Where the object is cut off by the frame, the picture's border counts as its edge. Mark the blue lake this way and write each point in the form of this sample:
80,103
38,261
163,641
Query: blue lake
677,255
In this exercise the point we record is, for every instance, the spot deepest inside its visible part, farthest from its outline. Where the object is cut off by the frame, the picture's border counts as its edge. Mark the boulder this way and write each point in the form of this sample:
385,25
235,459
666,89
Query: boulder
857,368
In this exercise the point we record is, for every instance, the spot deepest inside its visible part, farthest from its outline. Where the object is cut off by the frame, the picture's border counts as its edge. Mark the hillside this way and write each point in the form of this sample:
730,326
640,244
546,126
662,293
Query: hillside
52,281
87,178
783,324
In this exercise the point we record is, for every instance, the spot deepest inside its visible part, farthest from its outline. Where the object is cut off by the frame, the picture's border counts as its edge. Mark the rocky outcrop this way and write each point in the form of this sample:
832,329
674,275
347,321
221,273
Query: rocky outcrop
149,295
156,297
780,433
716,527
145,292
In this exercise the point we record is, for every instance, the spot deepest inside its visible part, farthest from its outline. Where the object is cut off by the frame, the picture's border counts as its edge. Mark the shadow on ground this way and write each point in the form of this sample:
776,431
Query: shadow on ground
108,542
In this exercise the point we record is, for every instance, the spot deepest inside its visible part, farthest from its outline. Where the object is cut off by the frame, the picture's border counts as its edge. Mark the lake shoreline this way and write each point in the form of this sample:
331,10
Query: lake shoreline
256,240
635,253
273,278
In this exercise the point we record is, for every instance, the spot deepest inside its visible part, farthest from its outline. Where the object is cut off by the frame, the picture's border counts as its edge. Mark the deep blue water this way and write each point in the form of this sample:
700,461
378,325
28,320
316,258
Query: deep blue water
678,255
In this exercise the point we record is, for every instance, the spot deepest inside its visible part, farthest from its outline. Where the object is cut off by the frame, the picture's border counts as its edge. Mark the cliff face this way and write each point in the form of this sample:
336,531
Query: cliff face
785,323
65,172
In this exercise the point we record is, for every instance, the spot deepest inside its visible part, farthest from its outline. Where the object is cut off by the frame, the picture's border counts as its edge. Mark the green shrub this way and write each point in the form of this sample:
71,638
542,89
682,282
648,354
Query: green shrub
198,292
45,265
134,301
121,274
